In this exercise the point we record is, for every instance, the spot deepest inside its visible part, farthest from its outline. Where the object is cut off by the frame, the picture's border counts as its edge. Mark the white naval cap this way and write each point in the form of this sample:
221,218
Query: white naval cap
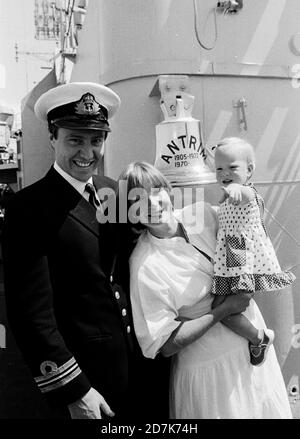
78,105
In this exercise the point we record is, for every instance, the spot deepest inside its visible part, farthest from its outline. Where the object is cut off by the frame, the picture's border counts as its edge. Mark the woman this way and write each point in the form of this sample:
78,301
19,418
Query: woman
171,271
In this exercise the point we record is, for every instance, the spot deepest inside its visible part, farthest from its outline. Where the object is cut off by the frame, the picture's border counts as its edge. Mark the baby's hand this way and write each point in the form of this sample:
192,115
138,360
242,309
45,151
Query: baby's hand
234,193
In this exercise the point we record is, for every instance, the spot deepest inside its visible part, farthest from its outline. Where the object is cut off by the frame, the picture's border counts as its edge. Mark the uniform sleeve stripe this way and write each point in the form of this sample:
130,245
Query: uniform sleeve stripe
57,372
59,377
61,382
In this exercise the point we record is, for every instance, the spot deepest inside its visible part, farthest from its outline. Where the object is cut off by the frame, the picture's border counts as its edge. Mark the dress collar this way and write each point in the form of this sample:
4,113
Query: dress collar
167,242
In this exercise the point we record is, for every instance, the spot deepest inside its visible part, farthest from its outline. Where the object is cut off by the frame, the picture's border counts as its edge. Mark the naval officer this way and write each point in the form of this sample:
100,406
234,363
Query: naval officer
65,302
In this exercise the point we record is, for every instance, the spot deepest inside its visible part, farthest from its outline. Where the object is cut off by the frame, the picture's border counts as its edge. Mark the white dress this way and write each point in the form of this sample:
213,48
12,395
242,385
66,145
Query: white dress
211,378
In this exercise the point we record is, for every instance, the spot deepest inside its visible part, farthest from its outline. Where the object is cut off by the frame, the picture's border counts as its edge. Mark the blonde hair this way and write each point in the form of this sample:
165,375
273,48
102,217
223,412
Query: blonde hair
238,143
141,175
144,175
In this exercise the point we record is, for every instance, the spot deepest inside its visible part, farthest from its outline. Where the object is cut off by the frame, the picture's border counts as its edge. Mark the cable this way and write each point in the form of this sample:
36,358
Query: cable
196,27
287,232
65,36
67,10
282,227
71,14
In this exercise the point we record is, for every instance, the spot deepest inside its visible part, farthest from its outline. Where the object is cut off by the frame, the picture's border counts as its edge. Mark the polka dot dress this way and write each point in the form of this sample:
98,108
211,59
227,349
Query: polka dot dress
245,258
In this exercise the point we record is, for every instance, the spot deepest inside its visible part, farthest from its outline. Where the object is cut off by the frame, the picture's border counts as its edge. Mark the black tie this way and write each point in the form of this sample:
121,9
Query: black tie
92,195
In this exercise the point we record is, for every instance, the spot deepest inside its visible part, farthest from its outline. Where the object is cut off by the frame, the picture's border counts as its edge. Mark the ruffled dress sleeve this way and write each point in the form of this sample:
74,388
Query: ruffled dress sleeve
153,304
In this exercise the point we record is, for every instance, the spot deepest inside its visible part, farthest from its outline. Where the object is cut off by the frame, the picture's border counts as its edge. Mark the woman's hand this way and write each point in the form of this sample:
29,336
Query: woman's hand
236,303
192,330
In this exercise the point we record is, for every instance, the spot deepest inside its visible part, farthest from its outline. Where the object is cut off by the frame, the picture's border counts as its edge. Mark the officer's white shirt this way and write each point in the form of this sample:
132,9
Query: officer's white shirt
77,184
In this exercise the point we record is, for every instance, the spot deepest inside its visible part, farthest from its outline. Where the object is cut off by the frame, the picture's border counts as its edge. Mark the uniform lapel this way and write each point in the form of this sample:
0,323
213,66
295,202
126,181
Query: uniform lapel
85,214
68,201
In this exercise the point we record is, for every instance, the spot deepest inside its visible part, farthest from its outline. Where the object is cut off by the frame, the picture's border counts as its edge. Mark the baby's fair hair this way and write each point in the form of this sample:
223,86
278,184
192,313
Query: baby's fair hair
239,144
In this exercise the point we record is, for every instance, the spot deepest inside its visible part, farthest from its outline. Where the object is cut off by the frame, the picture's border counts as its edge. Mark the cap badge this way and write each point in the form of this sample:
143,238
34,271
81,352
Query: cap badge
88,106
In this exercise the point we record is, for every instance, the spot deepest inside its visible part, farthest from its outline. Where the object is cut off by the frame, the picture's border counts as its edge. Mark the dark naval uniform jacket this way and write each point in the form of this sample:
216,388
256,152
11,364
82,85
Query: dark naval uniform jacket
65,304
